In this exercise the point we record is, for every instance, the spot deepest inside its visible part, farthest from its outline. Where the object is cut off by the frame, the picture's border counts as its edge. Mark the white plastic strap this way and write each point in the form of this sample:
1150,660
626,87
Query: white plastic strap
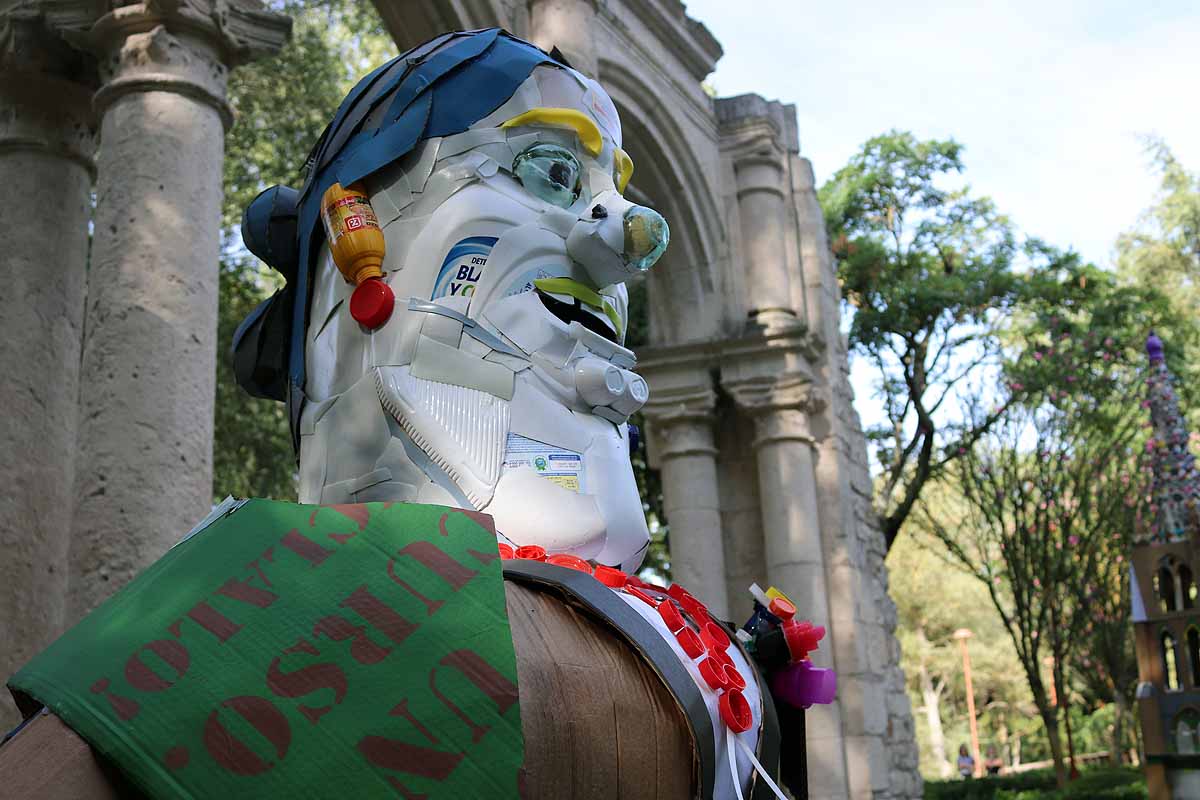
757,766
733,770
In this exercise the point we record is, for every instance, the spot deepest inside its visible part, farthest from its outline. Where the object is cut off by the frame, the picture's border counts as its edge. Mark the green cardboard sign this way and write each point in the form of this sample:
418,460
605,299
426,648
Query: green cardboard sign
288,650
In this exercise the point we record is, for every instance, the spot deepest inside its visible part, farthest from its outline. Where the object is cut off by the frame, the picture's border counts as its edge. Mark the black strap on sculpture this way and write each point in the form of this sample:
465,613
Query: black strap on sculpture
604,603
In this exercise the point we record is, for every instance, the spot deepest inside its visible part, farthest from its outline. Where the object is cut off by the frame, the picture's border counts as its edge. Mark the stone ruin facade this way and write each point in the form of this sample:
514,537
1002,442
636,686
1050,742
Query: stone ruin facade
108,361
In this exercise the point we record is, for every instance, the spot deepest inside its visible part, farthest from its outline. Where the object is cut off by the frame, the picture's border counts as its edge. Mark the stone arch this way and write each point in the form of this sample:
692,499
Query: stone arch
1187,586
669,174
1167,584
416,21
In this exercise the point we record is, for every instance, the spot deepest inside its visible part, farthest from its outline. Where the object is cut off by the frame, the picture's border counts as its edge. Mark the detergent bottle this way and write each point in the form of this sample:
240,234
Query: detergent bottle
357,245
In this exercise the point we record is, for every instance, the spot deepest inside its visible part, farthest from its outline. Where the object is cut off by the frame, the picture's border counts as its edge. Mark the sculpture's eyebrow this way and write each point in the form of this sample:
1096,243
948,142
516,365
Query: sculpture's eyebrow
582,124
624,168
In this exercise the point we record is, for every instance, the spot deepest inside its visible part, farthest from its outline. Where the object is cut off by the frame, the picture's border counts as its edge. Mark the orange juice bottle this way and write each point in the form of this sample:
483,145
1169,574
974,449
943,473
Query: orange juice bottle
357,245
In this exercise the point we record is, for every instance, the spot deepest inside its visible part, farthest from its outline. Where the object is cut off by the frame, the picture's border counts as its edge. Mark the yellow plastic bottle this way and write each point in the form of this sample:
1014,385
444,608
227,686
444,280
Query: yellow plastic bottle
357,245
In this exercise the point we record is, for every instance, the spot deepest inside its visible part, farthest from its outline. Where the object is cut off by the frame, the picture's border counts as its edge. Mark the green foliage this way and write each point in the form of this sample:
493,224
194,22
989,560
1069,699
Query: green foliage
929,272
1164,248
282,104
1097,783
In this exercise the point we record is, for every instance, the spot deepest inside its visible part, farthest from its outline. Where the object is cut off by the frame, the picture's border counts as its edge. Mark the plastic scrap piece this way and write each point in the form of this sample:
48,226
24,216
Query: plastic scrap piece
801,684
534,552
640,595
735,711
801,638
372,303
610,576
713,673
570,562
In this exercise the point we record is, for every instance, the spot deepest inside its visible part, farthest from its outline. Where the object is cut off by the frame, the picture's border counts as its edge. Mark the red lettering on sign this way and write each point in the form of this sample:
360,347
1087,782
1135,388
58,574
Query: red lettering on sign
442,525
438,562
355,511
266,556
140,676
411,758
498,688
304,547
401,710
231,753
484,558
124,708
362,649
382,617
306,680
243,592
210,619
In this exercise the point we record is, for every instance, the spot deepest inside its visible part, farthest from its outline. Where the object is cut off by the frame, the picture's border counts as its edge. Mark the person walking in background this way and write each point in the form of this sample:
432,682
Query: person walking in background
966,764
992,762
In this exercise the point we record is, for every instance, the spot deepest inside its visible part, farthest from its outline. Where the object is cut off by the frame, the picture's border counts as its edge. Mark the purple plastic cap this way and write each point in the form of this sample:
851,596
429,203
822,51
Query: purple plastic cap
1154,348
801,684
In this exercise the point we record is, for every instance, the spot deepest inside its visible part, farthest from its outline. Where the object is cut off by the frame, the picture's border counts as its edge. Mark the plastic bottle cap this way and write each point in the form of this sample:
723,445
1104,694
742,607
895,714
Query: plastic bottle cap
690,642
735,711
736,681
610,576
714,636
534,552
782,608
506,551
671,615
677,591
713,674
721,655
570,562
697,610
372,303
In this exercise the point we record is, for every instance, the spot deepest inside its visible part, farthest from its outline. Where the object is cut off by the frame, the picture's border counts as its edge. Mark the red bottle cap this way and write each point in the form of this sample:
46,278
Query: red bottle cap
714,636
697,610
736,681
610,576
570,562
372,303
677,591
721,655
713,674
534,552
735,711
782,609
801,638
689,641
506,551
670,615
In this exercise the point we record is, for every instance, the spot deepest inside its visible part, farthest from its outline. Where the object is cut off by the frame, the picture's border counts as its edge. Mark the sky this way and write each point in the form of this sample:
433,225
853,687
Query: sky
1049,98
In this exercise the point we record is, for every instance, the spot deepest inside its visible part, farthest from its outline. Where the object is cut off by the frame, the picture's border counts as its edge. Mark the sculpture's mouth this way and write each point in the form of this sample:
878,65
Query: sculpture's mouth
575,312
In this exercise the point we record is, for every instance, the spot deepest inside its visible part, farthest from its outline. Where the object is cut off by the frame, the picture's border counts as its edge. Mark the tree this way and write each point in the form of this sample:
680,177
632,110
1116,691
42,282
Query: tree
1164,248
930,274
281,104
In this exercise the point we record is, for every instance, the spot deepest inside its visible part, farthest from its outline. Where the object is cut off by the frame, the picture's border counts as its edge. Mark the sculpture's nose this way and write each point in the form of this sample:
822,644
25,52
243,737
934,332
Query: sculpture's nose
618,240
646,237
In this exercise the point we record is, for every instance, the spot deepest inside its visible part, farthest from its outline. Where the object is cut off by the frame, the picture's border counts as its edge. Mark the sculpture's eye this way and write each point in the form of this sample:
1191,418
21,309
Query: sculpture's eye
549,172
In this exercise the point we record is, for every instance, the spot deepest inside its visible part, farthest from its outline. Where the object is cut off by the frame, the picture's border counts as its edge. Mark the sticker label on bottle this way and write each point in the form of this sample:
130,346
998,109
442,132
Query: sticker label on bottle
463,267
348,214
559,465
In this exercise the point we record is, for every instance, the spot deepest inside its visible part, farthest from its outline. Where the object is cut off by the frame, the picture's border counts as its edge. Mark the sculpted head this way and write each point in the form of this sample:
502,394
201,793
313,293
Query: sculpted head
500,381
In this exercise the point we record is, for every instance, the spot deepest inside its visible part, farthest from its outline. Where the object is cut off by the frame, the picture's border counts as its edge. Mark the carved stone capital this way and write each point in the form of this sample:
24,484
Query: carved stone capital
680,422
45,88
780,407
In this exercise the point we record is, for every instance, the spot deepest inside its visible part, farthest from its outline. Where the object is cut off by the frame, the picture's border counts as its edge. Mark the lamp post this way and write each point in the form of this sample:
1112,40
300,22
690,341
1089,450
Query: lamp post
962,634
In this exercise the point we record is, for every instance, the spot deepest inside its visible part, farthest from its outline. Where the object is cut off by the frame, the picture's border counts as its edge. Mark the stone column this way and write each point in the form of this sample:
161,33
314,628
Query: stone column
784,450
682,441
46,148
761,211
144,474
567,25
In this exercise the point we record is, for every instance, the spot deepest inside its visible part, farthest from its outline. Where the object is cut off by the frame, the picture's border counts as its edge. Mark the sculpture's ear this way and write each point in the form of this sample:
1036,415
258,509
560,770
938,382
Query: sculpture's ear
261,342
269,228
260,347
